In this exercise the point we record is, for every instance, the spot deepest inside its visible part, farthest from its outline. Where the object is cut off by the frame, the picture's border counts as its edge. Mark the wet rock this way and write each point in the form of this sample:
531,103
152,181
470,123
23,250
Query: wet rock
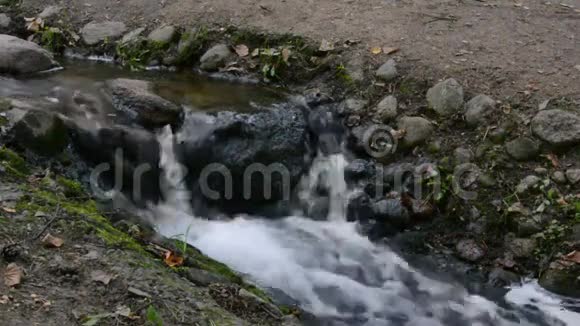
523,149
163,34
479,110
391,212
559,177
132,36
462,155
359,207
5,22
499,277
387,109
557,127
446,97
359,170
573,176
37,130
94,33
562,278
134,152
263,142
137,103
528,183
327,130
527,226
215,58
521,247
469,250
352,106
417,130
388,71
18,56
318,208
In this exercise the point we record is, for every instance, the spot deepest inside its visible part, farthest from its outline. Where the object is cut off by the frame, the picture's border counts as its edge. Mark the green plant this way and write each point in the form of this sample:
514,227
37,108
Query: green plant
52,39
343,75
182,241
153,317
549,239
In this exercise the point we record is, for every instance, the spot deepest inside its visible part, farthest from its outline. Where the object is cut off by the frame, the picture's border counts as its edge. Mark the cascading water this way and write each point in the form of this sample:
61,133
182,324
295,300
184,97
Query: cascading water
329,268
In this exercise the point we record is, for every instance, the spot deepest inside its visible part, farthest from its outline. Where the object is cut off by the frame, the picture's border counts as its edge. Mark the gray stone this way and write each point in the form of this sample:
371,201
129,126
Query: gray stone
352,106
50,12
521,247
469,250
557,127
5,21
18,56
499,277
388,71
204,278
417,130
446,97
523,149
135,100
163,34
479,109
562,278
355,68
37,130
132,36
215,58
462,155
94,33
387,109
573,176
528,183
559,177
541,170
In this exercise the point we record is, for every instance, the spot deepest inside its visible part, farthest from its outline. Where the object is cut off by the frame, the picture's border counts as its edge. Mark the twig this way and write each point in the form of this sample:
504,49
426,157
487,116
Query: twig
47,225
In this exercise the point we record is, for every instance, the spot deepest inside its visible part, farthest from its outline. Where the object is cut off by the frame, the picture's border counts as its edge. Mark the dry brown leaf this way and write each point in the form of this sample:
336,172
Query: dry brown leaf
172,260
554,159
51,241
286,54
101,276
34,24
242,50
376,50
390,50
574,256
13,275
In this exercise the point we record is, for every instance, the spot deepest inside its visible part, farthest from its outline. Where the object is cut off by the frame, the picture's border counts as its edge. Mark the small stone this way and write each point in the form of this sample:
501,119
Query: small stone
573,176
521,247
5,21
527,184
387,109
486,180
94,33
479,110
470,250
388,71
557,127
434,146
417,130
462,155
527,226
523,149
446,97
132,36
50,12
499,277
215,58
559,177
352,106
163,34
541,170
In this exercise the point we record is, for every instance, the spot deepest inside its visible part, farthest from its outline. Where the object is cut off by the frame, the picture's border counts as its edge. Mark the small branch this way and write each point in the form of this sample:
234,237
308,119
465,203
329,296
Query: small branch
47,225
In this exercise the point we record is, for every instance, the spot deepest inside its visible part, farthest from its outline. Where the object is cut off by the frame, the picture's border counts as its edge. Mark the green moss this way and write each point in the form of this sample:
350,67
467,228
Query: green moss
13,163
5,104
71,189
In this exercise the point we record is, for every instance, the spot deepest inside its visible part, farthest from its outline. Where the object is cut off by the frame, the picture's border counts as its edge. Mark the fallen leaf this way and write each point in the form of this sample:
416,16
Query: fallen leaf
574,256
544,105
51,241
390,50
256,52
172,260
286,54
9,210
242,50
326,46
4,299
101,276
554,159
138,292
376,50
34,24
13,275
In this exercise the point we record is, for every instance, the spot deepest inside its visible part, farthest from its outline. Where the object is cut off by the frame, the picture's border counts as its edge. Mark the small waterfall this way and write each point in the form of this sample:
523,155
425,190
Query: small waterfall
173,187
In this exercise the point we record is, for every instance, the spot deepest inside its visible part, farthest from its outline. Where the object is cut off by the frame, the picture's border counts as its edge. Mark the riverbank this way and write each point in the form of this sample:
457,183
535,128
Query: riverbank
524,220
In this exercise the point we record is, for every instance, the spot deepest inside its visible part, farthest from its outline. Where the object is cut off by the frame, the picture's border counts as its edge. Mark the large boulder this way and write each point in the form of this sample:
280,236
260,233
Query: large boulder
557,127
248,149
18,56
137,103
215,58
94,33
40,131
128,158
562,278
446,97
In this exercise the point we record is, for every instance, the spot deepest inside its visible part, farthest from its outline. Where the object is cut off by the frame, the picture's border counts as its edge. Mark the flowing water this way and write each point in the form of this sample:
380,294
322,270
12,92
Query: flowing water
327,267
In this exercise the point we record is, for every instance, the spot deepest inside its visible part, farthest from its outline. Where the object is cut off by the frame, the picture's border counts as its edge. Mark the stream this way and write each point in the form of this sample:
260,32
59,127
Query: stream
326,266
